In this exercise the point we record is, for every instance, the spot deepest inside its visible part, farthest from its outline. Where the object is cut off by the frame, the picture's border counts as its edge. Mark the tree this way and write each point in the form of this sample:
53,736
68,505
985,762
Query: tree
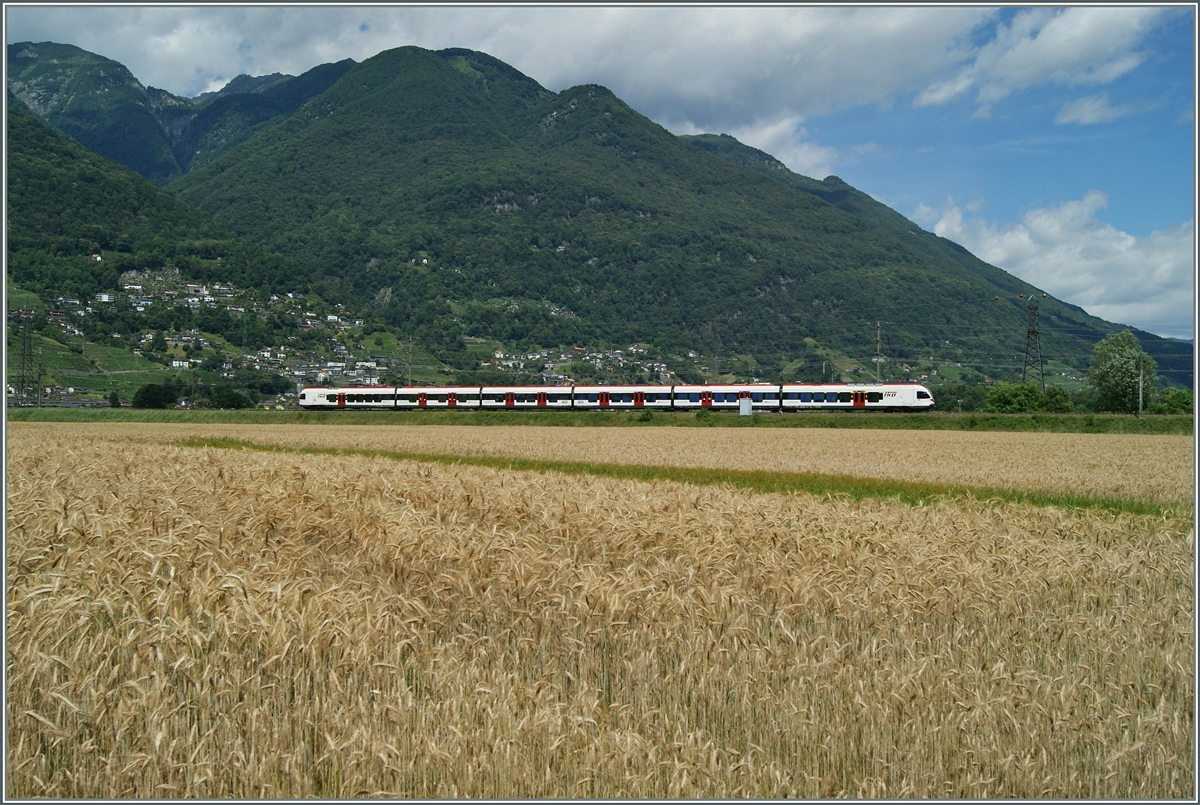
228,397
1117,364
114,400
153,395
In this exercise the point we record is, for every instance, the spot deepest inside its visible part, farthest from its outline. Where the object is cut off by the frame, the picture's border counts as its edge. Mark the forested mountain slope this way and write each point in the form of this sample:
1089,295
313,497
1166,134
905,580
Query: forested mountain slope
449,189
66,203
449,195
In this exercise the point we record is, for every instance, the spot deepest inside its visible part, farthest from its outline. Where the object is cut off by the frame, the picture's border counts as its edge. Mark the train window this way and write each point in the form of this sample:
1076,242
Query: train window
845,396
874,396
592,397
757,396
817,396
923,395
302,395
805,396
651,398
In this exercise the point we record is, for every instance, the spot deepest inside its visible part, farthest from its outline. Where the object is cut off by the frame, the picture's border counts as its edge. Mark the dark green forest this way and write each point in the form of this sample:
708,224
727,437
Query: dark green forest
66,204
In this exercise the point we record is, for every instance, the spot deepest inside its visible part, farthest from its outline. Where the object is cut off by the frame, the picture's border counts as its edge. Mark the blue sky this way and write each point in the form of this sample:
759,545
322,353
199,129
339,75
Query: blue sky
1055,142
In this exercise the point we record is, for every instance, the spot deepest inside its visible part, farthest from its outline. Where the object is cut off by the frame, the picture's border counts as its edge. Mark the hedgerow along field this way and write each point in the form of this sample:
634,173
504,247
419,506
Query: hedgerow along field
216,622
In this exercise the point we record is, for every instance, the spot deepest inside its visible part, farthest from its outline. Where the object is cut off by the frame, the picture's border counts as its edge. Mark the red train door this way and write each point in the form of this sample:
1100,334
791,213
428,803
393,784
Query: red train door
422,398
639,399
541,399
860,399
706,398
510,399
451,399
604,398
342,400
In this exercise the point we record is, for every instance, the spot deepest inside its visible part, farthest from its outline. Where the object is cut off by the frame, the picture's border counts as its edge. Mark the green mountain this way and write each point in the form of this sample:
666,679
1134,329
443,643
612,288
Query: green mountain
243,84
66,203
98,102
461,197
240,108
451,197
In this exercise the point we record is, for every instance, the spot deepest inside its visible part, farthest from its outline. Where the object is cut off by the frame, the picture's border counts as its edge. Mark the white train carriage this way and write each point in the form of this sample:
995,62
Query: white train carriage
615,397
368,397
855,396
437,397
763,396
536,397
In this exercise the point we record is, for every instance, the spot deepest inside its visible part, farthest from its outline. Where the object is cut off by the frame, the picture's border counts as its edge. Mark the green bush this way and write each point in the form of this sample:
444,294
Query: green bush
1026,398
1173,401
153,395
1057,400
1014,398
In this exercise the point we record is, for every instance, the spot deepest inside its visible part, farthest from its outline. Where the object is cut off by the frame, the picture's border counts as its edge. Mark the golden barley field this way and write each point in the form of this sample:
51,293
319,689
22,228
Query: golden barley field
202,622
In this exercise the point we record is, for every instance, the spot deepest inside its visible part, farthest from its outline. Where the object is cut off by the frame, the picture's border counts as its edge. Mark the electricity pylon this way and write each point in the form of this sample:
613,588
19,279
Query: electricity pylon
1033,343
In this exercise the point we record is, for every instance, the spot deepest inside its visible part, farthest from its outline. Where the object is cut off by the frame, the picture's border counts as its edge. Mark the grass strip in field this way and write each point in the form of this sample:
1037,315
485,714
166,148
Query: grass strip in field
976,423
856,488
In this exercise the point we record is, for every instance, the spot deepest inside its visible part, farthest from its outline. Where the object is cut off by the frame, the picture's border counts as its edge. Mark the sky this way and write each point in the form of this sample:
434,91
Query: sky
1057,143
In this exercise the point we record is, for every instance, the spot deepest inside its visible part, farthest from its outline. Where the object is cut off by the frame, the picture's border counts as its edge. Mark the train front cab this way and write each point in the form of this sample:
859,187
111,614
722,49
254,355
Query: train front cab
345,397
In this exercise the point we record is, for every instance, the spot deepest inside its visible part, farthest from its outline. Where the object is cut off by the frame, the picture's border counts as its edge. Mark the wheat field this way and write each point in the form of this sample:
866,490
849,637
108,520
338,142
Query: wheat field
200,622
1159,468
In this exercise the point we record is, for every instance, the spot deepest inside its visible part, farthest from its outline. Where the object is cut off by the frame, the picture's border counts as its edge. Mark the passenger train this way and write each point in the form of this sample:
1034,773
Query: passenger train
761,396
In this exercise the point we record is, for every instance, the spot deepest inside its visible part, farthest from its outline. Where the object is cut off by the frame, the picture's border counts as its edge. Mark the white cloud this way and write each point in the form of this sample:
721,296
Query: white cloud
788,141
1090,109
1069,252
1068,47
